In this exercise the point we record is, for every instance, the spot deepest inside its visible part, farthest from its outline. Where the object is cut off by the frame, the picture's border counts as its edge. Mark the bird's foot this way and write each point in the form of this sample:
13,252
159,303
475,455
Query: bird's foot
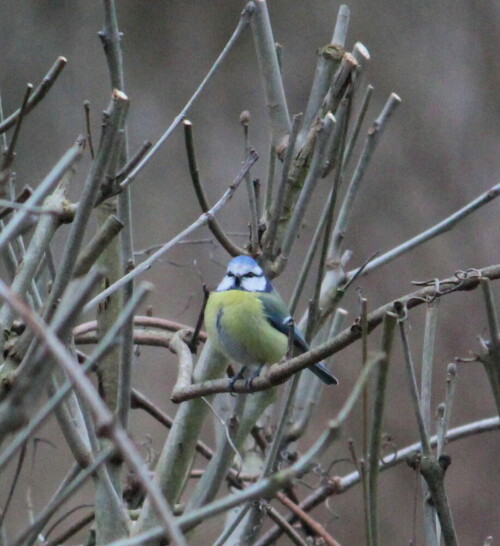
249,381
237,377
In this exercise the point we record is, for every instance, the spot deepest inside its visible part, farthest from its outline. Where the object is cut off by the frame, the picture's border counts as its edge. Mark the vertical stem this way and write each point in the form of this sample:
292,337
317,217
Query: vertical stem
372,139
271,76
252,200
491,361
270,242
451,386
376,427
427,361
425,408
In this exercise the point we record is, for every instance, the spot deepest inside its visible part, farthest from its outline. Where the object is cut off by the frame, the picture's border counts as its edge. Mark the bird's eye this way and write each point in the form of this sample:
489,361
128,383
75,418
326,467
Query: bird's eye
250,275
229,274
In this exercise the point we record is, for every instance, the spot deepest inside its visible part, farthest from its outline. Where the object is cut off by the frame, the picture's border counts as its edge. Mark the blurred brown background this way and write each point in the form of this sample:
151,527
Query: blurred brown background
439,152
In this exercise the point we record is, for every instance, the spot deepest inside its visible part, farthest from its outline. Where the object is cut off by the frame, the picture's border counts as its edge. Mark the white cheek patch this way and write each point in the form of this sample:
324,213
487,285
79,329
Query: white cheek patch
227,283
254,284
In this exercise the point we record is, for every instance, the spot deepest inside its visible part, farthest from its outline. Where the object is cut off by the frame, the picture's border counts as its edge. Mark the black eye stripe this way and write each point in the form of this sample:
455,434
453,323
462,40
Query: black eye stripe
251,275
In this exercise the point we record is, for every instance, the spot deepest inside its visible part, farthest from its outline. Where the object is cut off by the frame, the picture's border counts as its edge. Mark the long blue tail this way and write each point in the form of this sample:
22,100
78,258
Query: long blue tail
319,370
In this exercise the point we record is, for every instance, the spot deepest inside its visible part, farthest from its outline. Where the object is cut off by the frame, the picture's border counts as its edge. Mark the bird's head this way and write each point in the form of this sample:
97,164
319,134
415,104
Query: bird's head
244,273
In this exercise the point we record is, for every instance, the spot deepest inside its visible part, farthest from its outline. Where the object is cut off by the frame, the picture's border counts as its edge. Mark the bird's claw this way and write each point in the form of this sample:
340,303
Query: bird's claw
248,384
249,381
237,377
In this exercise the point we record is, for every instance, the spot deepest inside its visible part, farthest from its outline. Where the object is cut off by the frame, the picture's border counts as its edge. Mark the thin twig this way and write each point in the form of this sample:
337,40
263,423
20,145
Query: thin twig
338,485
75,528
270,243
374,135
451,386
312,178
442,227
357,126
214,226
284,526
491,359
234,523
430,509
312,321
415,397
242,25
8,157
201,221
105,422
308,520
12,488
251,190
195,338
101,239
67,162
270,485
20,199
86,108
38,94
134,160
376,427
329,58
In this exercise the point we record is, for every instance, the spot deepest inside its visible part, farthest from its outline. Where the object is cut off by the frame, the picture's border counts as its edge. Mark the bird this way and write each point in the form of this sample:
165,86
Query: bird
249,323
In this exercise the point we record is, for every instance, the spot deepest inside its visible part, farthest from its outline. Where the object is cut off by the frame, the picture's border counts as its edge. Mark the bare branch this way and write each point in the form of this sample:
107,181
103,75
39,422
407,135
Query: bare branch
213,224
201,221
271,74
242,25
38,94
278,374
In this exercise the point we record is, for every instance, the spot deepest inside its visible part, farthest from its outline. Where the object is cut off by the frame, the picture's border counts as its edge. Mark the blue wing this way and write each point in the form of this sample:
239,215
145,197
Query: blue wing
278,316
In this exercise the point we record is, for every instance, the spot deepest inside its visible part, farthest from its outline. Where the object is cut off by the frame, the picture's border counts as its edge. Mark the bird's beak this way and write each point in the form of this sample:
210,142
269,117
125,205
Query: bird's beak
237,280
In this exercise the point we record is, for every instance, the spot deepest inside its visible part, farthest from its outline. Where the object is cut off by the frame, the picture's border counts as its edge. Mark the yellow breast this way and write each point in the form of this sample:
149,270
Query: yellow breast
238,328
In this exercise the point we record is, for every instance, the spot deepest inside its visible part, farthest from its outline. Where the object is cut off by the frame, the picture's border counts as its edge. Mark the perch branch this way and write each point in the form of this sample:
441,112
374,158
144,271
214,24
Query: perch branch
278,374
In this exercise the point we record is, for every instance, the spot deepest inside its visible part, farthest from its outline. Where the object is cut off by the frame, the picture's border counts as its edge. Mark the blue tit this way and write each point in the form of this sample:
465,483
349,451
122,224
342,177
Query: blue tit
248,322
